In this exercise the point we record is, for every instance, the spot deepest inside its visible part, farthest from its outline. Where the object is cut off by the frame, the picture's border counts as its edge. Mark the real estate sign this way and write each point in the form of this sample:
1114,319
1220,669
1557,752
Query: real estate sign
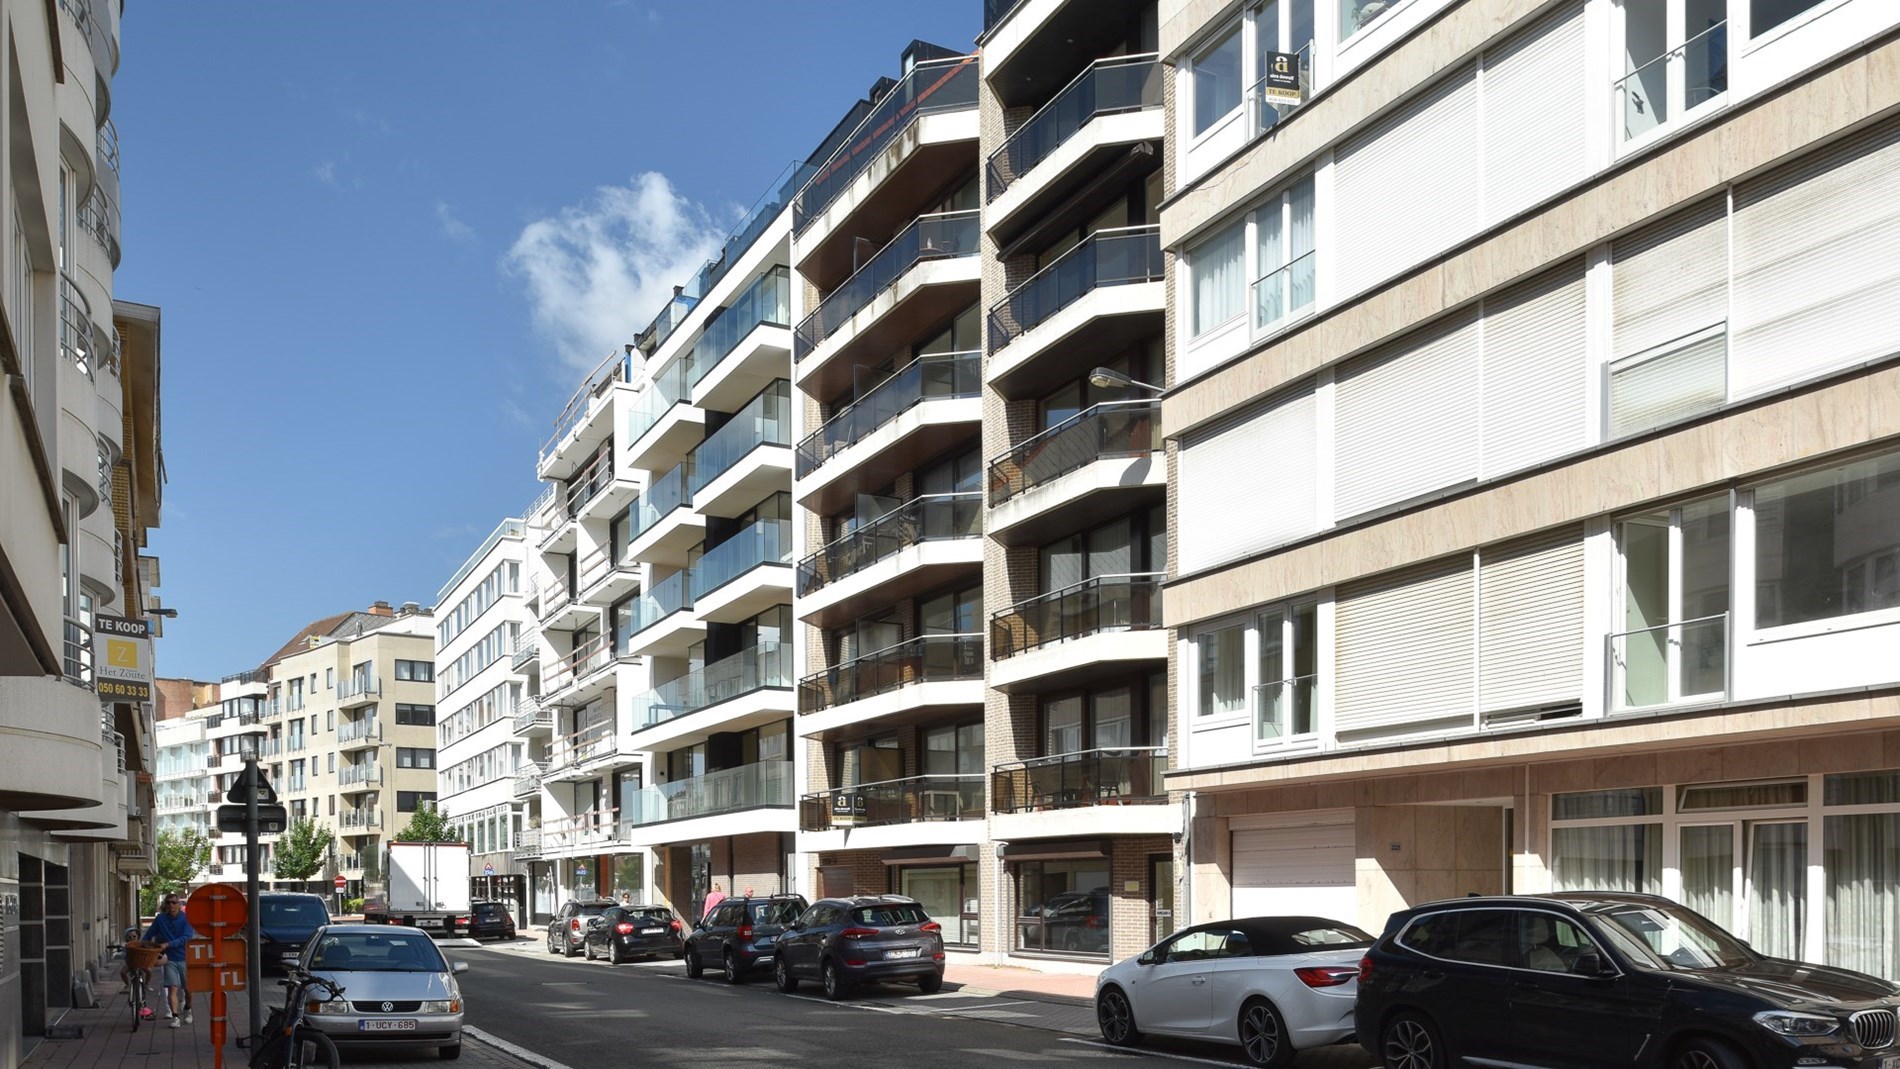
122,658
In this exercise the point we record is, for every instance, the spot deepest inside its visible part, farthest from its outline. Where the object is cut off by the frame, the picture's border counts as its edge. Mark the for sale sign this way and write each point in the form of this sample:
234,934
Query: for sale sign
122,665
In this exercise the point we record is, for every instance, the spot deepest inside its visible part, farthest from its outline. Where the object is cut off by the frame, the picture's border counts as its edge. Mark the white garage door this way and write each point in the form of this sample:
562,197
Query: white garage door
1296,871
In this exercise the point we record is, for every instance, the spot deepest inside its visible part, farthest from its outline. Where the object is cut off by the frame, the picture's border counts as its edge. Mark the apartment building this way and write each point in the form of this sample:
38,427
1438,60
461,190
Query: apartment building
182,777
662,556
1535,479
80,448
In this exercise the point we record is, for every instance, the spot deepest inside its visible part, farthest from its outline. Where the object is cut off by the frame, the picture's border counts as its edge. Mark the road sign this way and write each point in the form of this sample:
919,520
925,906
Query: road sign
251,777
341,883
270,818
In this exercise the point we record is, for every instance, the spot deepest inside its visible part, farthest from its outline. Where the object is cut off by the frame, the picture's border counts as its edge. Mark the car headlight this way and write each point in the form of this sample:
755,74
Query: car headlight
442,1005
335,1006
1790,1023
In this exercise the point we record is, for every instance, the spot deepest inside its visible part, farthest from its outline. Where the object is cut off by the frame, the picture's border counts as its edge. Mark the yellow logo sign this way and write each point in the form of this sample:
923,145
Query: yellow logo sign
122,654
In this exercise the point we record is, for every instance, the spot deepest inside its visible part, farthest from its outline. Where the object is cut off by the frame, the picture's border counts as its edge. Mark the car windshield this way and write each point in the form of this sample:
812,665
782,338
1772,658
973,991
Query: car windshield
1331,935
888,916
295,912
774,912
487,910
1663,937
377,952
591,909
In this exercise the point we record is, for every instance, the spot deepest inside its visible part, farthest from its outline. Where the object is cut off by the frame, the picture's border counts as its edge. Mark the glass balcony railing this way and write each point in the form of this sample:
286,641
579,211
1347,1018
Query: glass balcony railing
1104,603
1104,431
674,313
924,659
368,775
756,786
1105,258
754,224
934,517
759,543
1116,776
358,686
1686,661
765,420
995,11
368,729
1281,296
662,496
1284,710
764,666
767,302
1105,87
932,377
1663,89
934,85
663,599
930,237
911,800
670,387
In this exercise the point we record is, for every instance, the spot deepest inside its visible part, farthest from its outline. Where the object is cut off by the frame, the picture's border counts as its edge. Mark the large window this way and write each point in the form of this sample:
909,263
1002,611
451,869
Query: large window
1063,906
1827,543
1268,664
1216,80
415,671
1219,267
950,894
1765,15
1264,266
410,801
1675,56
1673,642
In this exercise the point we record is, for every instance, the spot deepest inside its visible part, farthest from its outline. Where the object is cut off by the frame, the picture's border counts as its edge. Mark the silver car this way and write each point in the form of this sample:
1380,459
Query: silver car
398,989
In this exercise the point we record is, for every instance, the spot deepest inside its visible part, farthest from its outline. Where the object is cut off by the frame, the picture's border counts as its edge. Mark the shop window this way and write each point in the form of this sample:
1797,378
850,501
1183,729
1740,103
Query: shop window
1063,906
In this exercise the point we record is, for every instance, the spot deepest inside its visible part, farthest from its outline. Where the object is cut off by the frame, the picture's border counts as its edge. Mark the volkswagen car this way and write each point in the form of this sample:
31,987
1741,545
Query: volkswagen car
399,992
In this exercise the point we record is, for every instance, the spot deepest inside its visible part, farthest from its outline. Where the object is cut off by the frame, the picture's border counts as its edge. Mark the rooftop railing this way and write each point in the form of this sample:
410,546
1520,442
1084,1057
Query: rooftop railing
1101,432
1112,776
930,237
765,420
995,11
765,303
1106,87
1103,603
672,314
594,390
933,85
925,519
1118,257
931,377
765,665
911,800
924,659
754,223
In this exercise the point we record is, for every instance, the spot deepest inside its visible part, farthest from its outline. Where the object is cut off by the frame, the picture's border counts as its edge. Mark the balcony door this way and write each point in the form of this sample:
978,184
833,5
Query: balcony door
1673,644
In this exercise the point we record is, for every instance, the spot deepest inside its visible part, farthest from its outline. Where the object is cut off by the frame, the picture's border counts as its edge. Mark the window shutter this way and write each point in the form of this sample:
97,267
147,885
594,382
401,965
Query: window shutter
1670,281
1535,372
1247,484
1649,391
1406,420
1530,631
1817,281
1534,108
1404,650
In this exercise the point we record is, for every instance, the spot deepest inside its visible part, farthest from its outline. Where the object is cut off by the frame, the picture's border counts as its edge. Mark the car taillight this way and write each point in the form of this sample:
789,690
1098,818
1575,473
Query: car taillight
1327,975
623,928
744,932
1092,921
676,925
930,926
857,933
575,924
1365,969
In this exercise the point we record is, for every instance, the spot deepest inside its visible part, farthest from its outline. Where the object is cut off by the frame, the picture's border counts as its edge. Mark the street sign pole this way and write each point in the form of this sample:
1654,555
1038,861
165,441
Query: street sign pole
254,986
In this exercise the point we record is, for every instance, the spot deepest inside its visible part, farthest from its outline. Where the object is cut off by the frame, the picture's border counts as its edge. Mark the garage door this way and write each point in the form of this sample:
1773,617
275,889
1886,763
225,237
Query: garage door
1301,871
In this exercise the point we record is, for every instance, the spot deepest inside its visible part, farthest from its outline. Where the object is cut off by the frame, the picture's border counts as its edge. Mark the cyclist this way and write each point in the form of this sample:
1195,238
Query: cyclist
171,931
128,937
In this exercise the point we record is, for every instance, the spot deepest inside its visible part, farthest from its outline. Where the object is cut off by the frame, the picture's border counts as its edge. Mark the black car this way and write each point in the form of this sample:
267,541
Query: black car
1597,978
740,934
568,930
843,942
285,922
622,933
490,920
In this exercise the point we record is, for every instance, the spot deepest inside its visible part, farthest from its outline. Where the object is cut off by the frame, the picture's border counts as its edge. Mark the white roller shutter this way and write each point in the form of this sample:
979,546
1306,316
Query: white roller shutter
1670,281
1535,373
1530,631
1403,188
1406,419
1534,115
1649,391
1817,275
1405,652
1300,871
1248,485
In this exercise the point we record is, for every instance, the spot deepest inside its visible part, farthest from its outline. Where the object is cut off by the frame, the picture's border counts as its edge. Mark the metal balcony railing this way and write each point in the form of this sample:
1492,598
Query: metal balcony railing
765,420
763,666
580,747
531,714
107,146
1104,603
1120,257
933,85
1106,87
911,800
579,664
931,237
755,786
528,780
1113,776
586,486
77,658
924,659
528,842
931,518
75,328
1105,431
527,648
931,377
662,497
583,829
759,543
1684,661
765,303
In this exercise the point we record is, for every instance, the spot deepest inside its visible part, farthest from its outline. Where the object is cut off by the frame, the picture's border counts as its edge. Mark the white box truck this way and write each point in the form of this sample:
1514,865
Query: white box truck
428,888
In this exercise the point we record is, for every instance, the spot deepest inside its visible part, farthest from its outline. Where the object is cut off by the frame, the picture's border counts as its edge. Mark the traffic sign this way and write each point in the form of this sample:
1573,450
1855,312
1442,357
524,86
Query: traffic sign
341,883
251,777
270,818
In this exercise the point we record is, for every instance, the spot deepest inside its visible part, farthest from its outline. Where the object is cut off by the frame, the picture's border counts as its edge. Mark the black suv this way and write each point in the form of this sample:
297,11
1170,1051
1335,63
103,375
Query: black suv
740,935
567,932
843,942
490,920
1599,978
626,932
285,922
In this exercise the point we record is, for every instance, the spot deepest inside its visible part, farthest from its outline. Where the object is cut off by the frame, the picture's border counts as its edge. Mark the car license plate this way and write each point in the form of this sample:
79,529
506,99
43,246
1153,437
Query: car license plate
386,1026
765,959
651,931
901,953
1891,1061
291,958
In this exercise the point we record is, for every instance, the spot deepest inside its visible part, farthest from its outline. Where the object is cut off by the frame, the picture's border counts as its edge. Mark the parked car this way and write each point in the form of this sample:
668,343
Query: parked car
1075,921
567,930
622,933
1598,978
740,934
844,942
398,990
490,920
285,922
1272,985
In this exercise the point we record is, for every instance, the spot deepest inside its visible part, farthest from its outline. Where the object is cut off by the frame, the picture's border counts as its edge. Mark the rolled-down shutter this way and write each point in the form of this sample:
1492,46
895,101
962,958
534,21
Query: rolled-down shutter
1535,114
1247,484
1669,302
1535,372
1530,629
1406,419
1405,654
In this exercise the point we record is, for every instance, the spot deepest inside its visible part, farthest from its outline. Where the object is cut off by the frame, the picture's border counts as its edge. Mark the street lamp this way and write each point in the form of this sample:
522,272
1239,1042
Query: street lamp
1102,378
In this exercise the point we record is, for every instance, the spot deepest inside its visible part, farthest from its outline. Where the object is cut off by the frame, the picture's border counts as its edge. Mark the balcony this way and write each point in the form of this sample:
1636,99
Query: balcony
748,457
896,425
1121,776
531,717
593,828
659,621
662,424
77,660
577,433
528,843
603,579
595,488
663,524
365,732
727,583
355,690
359,777
1683,663
1032,47
766,784
1112,104
763,668
756,221
924,672
527,781
1071,475
1083,301
670,318
570,752
1063,636
363,819
577,675
924,275
527,651
915,546
746,347
911,800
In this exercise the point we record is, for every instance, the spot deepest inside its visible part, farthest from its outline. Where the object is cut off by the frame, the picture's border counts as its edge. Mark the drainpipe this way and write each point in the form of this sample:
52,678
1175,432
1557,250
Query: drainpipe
1187,862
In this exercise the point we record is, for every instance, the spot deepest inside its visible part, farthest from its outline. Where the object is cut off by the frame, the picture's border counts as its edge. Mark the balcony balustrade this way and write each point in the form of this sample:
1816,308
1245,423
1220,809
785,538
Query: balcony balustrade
1106,87
930,237
531,714
759,543
580,747
584,487
765,303
764,665
933,85
577,665
765,420
924,659
528,780
911,800
663,599
754,223
932,377
365,775
1119,257
755,786
591,828
1111,776
1104,603
670,387
368,729
359,818
662,497
352,687
1102,432
934,517
527,648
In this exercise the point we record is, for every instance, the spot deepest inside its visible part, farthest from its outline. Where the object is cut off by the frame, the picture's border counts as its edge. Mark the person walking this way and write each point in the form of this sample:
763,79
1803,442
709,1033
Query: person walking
172,931
712,900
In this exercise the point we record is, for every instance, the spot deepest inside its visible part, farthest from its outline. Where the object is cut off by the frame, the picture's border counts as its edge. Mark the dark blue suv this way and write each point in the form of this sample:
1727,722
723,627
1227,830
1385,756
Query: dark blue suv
844,942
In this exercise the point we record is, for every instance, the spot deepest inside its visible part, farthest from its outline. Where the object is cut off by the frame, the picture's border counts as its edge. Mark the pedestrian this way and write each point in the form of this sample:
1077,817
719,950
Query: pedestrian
172,931
626,898
712,900
748,892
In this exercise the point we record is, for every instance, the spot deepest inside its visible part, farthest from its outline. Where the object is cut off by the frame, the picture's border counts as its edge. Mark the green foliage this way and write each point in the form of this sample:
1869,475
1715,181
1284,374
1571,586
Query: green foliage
428,826
301,850
182,854
352,905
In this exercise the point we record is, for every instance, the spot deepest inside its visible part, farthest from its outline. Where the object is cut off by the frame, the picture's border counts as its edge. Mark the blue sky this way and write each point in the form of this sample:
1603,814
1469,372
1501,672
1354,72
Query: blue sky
390,238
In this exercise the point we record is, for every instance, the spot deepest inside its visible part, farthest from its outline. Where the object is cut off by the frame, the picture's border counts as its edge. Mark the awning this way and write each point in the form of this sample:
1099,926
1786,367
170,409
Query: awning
1055,850
921,855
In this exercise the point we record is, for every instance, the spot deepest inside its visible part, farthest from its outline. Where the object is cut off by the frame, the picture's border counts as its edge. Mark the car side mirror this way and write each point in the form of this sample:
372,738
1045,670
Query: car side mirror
458,966
794,926
1146,959
1591,963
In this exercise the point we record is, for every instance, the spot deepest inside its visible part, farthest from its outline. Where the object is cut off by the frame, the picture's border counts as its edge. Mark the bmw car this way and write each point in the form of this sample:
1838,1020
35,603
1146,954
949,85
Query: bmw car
399,992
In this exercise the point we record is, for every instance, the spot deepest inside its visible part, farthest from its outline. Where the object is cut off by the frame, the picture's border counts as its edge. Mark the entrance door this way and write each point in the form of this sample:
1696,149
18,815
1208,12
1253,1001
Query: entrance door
1161,913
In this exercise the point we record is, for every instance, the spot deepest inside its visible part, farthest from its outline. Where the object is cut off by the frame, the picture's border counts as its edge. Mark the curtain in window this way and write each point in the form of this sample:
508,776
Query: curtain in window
1219,268
1301,241
1223,671
1778,888
1619,858
1861,853
1708,872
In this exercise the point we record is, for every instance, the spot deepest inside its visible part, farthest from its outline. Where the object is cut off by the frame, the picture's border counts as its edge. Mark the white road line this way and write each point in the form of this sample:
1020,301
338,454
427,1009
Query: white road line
1149,1052
515,1049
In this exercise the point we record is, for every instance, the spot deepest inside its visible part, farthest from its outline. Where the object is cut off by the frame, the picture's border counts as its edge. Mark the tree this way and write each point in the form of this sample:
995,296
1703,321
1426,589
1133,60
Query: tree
301,850
182,855
428,826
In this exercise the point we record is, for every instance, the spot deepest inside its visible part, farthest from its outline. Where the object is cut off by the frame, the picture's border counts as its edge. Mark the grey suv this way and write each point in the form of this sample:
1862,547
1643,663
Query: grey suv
843,942
567,932
740,935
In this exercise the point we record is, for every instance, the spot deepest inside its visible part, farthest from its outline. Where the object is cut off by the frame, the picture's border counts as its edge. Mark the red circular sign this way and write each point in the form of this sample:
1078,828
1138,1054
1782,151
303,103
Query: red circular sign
341,883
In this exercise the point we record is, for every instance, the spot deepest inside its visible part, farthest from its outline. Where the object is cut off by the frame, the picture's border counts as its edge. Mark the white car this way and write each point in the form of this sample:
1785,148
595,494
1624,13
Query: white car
1271,985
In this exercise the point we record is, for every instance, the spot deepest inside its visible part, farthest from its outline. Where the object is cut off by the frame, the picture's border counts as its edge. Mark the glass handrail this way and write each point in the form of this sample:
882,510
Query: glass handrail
1286,293
765,420
1101,432
767,302
931,377
1104,603
925,519
759,543
755,786
668,388
933,85
663,599
777,197
943,236
1106,87
665,494
765,665
1118,257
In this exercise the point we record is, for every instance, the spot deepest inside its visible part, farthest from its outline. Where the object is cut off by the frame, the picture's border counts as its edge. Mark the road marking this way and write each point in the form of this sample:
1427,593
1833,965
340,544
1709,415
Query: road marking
517,1050
1144,1051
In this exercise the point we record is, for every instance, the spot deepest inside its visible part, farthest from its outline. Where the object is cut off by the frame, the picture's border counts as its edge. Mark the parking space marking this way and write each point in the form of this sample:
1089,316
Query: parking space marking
1145,1052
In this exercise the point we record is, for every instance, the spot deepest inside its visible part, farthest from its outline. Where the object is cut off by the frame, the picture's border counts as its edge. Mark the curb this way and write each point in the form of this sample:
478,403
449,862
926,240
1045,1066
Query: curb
513,1050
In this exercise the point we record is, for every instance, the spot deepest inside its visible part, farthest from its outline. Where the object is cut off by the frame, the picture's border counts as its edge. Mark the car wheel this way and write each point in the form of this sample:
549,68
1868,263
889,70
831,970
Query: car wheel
1410,1042
450,1052
693,968
1116,1018
783,977
614,957
1263,1037
833,981
1706,1054
587,951
567,947
734,974
551,947
930,983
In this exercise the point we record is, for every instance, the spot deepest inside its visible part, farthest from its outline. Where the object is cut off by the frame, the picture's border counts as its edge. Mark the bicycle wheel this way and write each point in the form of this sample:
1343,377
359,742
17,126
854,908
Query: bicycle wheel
135,994
313,1050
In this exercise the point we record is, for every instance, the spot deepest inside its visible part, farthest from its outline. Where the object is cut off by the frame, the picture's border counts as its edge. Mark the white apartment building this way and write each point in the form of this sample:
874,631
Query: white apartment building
182,779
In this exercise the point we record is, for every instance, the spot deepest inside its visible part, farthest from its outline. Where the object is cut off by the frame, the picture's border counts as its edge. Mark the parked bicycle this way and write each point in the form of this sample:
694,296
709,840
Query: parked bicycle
140,959
285,1042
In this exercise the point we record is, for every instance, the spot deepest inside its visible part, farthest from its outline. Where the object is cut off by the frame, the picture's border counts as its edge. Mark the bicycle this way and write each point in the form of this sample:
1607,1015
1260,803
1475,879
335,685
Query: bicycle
139,960
285,1042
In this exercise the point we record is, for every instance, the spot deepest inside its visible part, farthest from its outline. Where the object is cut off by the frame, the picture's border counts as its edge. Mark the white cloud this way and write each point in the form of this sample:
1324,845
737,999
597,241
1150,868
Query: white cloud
452,228
598,272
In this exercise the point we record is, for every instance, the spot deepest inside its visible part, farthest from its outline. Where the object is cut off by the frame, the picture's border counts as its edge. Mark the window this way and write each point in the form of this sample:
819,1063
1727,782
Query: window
410,801
1215,80
1218,268
1221,658
1675,56
415,671
1549,943
329,679
1284,287
1827,543
1356,15
1281,27
1673,643
1765,15
418,715
414,757
1269,664
1062,906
